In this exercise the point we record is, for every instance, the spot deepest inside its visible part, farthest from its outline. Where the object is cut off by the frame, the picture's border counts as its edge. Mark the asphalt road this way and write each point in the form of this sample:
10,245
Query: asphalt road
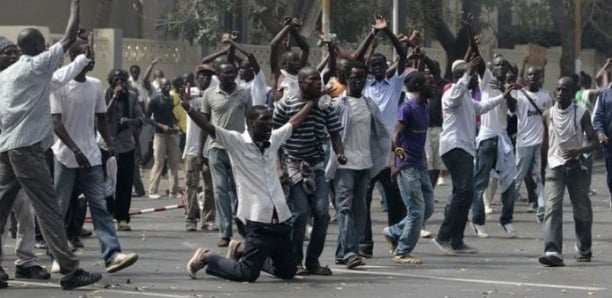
502,268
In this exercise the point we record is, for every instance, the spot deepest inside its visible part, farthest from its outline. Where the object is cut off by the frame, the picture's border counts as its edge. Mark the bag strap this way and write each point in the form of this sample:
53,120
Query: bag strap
532,102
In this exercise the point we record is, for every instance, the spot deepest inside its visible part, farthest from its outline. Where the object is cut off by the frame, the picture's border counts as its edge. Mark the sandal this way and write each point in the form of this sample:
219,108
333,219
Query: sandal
407,259
302,271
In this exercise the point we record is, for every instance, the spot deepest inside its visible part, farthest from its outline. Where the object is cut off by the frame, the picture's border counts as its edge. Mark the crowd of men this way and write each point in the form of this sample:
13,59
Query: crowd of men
272,156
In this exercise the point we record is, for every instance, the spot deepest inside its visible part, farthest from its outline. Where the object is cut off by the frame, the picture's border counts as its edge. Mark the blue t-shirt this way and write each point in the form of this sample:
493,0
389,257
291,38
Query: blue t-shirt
416,121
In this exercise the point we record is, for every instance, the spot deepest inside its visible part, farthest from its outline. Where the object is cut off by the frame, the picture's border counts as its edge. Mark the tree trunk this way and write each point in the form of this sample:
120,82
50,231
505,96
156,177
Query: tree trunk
443,34
311,10
563,17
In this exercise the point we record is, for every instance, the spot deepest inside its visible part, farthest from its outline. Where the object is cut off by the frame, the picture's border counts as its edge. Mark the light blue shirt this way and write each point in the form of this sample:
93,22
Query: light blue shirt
386,95
24,100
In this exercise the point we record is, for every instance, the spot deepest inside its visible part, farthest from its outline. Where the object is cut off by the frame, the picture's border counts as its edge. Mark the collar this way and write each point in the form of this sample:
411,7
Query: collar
246,136
384,81
218,90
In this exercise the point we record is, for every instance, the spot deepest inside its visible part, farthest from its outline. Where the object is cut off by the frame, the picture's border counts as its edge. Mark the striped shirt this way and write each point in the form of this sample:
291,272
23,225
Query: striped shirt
306,142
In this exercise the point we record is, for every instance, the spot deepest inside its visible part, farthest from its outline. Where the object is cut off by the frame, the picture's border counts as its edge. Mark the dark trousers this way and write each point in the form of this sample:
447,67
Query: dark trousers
460,165
75,217
138,186
125,180
396,211
267,247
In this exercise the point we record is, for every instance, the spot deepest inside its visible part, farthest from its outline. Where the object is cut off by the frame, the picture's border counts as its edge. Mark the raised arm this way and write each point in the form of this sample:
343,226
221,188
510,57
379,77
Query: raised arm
252,60
67,72
364,45
382,25
72,28
602,74
145,79
274,48
301,42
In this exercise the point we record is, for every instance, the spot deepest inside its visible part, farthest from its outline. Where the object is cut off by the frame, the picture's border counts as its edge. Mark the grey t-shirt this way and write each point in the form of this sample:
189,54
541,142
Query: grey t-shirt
226,110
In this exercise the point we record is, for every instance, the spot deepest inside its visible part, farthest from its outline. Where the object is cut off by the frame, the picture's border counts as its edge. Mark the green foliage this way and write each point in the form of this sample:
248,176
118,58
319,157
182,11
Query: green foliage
351,22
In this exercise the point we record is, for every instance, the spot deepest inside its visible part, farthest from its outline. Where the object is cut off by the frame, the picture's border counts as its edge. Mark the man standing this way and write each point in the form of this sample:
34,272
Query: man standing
305,165
225,105
366,145
566,124
602,123
24,90
78,160
165,140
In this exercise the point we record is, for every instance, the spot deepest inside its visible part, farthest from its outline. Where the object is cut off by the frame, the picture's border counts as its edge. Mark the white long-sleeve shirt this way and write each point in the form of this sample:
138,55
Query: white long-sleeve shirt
459,110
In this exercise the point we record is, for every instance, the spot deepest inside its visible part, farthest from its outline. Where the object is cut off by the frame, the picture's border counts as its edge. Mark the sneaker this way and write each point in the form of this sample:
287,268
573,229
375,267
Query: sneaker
211,227
234,250
533,207
390,240
154,196
223,242
464,249
319,270
444,246
301,271
3,275
79,278
123,226
551,261
138,194
479,230
191,227
354,261
510,231
425,234
33,272
540,219
85,233
121,261
55,267
197,262
76,243
407,259
582,258
40,244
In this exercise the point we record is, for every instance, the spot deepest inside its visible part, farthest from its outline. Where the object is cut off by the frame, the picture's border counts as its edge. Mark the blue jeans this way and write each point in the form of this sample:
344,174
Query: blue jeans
460,165
224,190
417,194
351,187
303,204
485,162
528,161
91,184
572,175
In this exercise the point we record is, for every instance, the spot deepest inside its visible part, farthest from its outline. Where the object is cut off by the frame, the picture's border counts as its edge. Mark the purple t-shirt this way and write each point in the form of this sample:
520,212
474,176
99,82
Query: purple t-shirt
416,121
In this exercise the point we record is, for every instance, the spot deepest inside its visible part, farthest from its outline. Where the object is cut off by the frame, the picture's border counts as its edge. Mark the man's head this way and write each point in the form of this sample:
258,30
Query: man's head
459,68
420,84
534,76
566,91
500,68
81,47
512,74
135,71
118,77
309,80
204,73
357,75
227,75
178,82
188,77
245,72
31,42
378,66
9,53
290,62
165,86
259,122
158,74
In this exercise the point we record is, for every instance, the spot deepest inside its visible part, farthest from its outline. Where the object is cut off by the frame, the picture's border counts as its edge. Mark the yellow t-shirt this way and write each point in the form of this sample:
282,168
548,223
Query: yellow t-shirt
178,111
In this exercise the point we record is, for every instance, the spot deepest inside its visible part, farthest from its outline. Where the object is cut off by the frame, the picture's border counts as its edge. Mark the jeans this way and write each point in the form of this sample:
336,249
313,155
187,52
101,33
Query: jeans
91,183
25,168
224,190
301,205
572,175
165,146
417,194
192,181
396,210
485,162
528,161
24,246
351,187
265,248
460,165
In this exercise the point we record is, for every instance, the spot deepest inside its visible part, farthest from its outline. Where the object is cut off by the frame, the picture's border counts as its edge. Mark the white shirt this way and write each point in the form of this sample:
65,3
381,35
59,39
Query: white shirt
530,129
460,110
496,119
570,137
24,99
289,84
258,186
386,95
258,88
192,136
357,143
142,91
78,103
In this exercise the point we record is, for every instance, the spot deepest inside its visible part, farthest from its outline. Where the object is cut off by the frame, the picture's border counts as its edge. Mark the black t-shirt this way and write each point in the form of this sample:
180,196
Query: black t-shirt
435,106
161,109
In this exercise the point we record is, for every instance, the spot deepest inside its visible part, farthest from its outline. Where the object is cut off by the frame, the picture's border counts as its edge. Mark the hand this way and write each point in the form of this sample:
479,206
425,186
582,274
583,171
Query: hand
394,173
296,23
81,159
380,23
342,159
403,37
570,153
117,91
185,96
82,33
164,128
509,89
225,38
324,38
415,38
474,62
287,21
497,85
400,153
234,35
603,139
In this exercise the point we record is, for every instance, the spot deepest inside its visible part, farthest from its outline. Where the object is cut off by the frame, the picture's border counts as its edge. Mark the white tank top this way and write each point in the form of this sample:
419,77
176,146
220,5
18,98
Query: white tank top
564,132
